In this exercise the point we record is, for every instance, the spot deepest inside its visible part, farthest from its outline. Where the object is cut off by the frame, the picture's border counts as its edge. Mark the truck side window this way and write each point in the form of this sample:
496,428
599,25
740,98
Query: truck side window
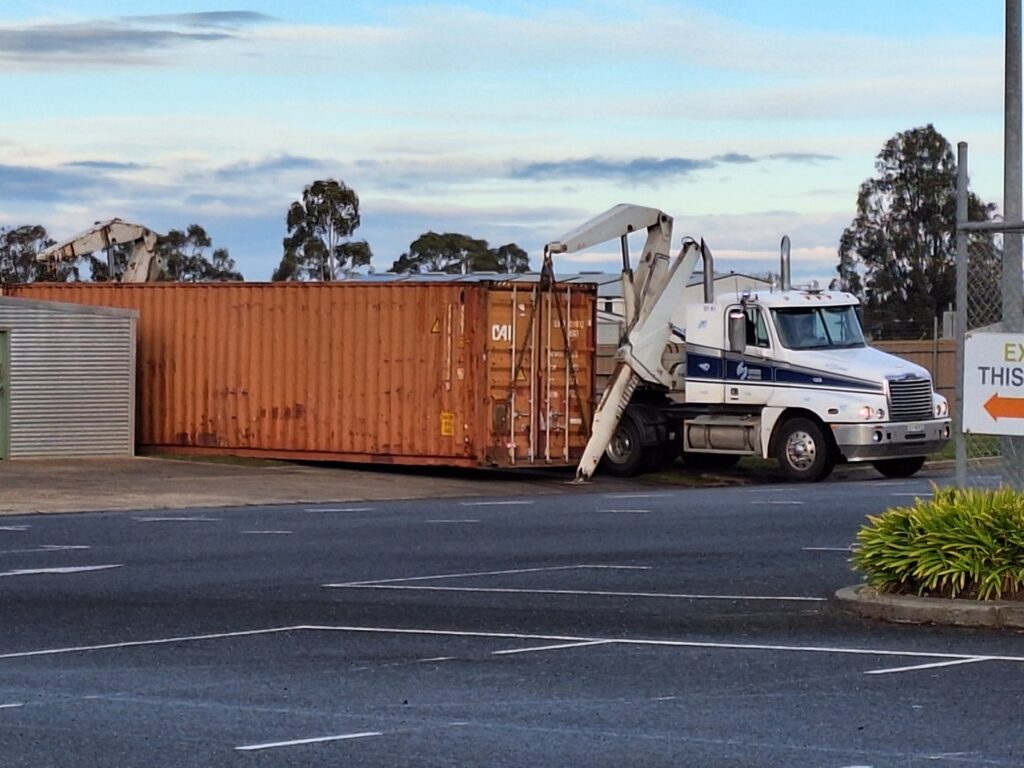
757,331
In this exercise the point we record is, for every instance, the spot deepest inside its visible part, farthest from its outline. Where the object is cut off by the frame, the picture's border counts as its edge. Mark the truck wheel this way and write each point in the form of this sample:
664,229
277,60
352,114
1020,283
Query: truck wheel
625,456
803,452
904,467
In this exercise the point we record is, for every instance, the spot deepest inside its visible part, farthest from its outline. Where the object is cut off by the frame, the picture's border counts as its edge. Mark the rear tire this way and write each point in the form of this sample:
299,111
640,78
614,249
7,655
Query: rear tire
804,453
904,467
625,456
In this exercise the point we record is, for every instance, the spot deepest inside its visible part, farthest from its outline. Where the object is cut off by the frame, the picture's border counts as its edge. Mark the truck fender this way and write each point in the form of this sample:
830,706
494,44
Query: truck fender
769,418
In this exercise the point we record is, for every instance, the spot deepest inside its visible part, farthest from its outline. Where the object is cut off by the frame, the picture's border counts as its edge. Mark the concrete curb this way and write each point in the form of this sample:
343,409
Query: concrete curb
907,609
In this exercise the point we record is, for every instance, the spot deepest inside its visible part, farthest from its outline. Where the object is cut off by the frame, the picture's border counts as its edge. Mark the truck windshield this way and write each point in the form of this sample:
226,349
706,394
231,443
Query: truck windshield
818,327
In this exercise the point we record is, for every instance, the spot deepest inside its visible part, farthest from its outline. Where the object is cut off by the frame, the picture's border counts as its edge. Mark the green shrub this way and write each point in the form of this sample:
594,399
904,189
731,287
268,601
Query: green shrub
960,543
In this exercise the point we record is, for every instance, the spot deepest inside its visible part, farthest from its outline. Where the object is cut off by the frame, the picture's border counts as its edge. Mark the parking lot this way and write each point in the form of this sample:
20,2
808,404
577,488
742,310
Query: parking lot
615,627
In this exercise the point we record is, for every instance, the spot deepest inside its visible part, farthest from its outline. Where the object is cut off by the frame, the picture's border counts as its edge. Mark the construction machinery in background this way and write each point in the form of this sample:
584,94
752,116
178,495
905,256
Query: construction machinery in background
144,265
784,374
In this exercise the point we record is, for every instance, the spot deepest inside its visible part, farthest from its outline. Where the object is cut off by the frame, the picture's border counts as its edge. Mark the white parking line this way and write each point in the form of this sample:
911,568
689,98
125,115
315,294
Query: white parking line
14,705
61,570
582,593
516,502
13,527
559,647
45,548
298,742
268,533
489,573
942,657
935,665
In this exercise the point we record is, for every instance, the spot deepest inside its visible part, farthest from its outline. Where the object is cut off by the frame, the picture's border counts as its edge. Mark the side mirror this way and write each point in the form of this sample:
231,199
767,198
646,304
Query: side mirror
737,330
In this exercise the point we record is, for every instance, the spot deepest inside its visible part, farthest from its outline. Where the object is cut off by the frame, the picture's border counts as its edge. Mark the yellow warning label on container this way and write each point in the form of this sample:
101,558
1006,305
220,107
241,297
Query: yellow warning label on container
521,376
447,424
436,327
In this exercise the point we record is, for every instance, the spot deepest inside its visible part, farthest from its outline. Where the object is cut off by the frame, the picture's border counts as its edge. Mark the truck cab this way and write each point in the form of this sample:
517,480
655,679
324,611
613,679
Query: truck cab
788,374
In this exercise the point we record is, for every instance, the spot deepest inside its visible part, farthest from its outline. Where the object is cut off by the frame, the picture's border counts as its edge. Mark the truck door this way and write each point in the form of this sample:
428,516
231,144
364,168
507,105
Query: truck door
749,378
5,411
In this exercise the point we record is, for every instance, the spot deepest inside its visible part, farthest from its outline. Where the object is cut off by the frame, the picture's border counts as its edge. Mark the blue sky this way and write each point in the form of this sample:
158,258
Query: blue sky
508,121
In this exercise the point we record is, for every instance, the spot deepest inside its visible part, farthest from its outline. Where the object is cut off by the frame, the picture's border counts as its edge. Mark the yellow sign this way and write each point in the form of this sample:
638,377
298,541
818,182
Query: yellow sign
436,327
447,424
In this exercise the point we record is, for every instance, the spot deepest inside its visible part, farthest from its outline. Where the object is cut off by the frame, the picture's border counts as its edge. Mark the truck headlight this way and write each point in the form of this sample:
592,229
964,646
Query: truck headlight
868,413
941,408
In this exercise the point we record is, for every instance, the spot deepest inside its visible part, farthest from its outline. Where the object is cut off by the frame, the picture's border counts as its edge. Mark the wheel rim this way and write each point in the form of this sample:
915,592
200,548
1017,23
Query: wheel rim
620,448
801,450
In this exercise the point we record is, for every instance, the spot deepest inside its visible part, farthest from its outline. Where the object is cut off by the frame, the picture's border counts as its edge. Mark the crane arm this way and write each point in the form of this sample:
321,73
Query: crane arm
650,296
144,264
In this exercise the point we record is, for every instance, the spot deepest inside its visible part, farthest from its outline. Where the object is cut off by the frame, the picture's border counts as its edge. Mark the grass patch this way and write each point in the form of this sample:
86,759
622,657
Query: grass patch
960,543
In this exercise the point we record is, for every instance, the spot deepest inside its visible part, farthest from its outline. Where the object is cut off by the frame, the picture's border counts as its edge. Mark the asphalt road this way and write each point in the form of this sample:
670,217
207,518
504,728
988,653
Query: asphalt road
658,628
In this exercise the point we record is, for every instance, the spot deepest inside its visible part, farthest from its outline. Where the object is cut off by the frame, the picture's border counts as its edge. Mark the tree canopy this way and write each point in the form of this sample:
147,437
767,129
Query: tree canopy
18,263
456,254
185,259
319,227
898,254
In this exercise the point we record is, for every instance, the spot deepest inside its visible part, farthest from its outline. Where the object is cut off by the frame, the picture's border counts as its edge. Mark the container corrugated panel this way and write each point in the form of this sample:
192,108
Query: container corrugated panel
72,385
386,372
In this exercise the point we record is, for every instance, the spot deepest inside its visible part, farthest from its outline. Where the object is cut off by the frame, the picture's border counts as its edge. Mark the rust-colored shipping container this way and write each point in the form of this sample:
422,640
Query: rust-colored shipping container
494,374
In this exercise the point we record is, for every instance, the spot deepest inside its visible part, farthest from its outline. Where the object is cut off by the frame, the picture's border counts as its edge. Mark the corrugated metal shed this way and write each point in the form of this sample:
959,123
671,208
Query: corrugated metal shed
71,383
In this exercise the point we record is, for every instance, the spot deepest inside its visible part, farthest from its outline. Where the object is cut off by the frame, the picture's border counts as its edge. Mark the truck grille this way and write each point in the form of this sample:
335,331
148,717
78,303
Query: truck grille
910,399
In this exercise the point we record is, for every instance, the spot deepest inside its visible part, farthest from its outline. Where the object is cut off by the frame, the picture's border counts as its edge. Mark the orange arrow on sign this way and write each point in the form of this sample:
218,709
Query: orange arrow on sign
1005,407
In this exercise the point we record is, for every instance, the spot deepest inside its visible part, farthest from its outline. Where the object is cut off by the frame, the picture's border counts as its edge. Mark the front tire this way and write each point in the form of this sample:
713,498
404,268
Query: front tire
904,467
804,453
625,456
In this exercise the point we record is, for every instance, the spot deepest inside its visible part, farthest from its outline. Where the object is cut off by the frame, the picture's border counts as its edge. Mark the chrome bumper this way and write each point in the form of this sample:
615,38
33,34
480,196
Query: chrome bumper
890,440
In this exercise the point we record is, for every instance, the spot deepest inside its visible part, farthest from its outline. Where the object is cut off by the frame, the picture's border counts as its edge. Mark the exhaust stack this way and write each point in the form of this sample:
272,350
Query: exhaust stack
787,282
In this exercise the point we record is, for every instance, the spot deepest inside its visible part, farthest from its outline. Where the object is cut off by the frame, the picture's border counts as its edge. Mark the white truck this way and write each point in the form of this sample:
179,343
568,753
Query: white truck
784,374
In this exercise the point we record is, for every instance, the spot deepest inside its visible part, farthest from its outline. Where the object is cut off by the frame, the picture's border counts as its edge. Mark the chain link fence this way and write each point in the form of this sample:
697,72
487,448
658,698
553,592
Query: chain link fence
981,459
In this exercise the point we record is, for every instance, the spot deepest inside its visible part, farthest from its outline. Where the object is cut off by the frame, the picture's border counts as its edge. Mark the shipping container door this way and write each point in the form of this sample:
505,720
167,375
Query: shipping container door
540,374
5,411
565,371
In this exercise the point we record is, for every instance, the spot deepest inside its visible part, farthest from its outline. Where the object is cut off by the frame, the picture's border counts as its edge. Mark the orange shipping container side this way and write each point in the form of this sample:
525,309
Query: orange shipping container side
462,374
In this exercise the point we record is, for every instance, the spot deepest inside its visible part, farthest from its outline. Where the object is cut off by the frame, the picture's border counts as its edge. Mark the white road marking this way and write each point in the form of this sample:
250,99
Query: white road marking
582,592
797,503
340,509
489,573
13,527
178,519
268,533
15,705
142,643
935,665
847,548
837,650
559,647
299,742
437,658
451,521
625,511
45,548
516,502
665,698
62,570
914,495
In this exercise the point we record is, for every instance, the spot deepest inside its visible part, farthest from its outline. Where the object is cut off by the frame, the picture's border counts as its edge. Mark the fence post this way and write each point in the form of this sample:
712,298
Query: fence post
1013,302
960,325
